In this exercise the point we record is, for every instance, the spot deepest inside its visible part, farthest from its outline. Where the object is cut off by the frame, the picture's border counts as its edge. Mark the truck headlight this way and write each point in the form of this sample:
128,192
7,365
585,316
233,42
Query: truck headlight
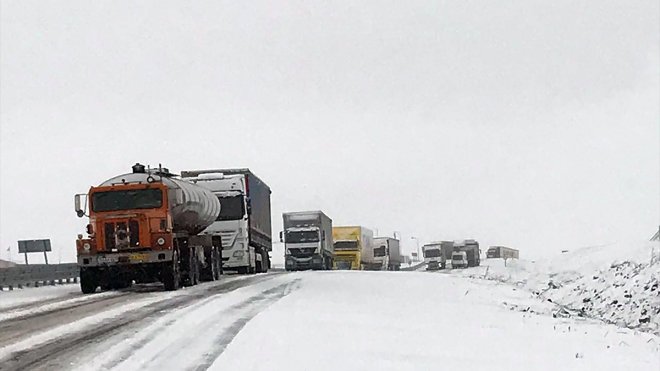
238,254
87,246
160,241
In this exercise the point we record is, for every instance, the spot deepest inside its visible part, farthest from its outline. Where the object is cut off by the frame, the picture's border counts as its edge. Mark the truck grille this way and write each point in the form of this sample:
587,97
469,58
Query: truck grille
302,252
121,235
228,238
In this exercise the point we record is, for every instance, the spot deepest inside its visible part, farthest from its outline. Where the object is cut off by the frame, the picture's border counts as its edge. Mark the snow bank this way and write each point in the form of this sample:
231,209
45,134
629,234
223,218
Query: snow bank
616,283
420,321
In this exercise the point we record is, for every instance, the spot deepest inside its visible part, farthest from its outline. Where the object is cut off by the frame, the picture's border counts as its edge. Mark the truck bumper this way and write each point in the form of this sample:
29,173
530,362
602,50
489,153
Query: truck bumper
124,258
296,264
347,260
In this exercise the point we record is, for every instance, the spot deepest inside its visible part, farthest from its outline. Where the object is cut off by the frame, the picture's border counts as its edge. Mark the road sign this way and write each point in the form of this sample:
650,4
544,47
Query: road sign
26,246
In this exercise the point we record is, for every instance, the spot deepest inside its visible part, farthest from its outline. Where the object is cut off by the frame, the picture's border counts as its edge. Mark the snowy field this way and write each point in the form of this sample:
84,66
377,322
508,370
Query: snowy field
617,283
486,318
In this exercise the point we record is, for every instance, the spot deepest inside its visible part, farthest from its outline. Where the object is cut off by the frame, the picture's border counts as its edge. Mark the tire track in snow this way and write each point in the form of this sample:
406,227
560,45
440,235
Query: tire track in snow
192,340
55,353
257,305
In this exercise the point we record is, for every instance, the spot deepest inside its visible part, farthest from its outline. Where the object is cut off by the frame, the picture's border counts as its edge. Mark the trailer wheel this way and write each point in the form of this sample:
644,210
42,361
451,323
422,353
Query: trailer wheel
88,281
171,276
216,264
194,269
265,262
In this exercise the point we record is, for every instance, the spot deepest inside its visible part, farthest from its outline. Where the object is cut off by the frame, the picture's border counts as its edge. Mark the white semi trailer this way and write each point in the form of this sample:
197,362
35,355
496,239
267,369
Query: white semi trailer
244,223
386,254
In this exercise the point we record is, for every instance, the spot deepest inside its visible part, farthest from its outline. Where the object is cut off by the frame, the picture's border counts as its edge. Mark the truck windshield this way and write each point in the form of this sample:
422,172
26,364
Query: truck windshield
432,253
346,245
380,251
231,208
457,257
127,200
302,236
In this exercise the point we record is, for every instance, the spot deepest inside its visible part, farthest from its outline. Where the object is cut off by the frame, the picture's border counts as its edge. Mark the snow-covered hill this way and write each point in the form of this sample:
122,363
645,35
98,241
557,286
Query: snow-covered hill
616,283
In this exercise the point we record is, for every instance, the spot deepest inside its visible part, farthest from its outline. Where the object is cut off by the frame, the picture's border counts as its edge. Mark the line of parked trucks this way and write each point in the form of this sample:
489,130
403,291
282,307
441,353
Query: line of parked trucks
152,225
311,242
461,254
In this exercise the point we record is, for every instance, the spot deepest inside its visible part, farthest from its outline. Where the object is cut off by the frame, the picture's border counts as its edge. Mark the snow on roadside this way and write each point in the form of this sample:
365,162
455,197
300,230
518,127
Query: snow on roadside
19,297
421,321
48,306
615,283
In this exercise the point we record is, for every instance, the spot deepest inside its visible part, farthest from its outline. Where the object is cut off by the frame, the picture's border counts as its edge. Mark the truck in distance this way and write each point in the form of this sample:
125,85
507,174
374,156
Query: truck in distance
471,250
502,252
459,259
437,254
146,226
244,224
386,254
433,257
349,243
307,239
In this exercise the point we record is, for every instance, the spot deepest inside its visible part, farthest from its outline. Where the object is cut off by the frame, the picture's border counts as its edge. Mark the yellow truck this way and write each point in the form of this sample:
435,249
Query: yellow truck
350,245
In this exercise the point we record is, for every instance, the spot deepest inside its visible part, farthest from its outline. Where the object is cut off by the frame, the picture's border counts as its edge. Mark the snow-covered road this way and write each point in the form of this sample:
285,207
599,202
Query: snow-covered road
317,321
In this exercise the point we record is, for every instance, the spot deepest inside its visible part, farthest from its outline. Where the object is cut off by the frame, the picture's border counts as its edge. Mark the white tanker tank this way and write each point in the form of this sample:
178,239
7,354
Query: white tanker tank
193,208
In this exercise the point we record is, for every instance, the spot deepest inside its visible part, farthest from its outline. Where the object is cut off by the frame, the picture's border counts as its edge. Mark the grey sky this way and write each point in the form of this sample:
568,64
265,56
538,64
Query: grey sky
533,124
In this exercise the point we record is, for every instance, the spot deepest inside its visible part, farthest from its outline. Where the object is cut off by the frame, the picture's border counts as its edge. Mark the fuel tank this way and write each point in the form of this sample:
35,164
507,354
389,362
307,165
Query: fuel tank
193,208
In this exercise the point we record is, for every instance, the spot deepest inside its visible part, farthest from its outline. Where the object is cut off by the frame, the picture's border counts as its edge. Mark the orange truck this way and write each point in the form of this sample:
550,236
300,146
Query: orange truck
147,226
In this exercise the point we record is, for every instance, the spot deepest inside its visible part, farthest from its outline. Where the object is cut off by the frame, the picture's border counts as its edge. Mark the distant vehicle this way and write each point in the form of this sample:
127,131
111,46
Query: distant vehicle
434,257
502,252
244,223
472,251
350,243
386,254
459,259
147,226
307,238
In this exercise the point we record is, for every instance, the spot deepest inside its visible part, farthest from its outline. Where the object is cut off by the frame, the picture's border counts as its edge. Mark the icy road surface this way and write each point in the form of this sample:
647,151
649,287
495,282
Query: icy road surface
316,321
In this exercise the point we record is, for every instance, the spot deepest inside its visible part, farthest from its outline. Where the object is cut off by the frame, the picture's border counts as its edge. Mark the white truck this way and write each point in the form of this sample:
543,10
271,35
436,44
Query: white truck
244,223
433,257
459,259
385,255
307,238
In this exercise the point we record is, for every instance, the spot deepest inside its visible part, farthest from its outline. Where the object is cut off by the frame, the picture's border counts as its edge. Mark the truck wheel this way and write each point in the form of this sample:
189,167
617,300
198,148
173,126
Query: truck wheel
215,263
171,276
265,263
257,269
88,281
194,270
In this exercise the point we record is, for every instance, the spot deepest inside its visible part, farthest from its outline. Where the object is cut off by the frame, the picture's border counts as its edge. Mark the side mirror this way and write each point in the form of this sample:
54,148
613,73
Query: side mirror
281,237
80,211
249,206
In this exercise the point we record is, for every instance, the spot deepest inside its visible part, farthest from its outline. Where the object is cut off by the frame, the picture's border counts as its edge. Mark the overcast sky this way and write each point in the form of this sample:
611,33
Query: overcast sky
531,124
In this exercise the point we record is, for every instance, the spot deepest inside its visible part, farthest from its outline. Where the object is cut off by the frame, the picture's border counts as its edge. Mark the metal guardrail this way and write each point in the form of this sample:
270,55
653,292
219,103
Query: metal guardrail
414,267
38,275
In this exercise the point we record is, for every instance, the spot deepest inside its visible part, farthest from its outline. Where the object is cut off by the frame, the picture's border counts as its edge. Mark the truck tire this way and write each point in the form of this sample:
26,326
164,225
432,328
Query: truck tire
194,270
88,281
171,275
217,265
265,262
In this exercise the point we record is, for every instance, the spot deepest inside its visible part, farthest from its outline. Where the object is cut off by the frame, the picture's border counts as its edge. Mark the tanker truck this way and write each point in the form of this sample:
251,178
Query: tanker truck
244,223
147,226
